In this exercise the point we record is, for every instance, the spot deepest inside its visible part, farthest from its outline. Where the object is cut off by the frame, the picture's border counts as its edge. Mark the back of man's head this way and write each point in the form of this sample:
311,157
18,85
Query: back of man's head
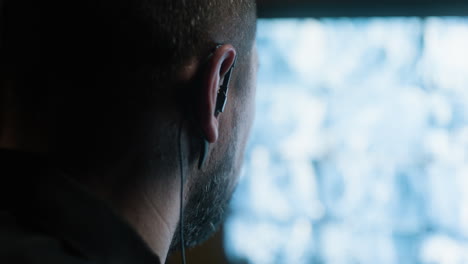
123,96
89,74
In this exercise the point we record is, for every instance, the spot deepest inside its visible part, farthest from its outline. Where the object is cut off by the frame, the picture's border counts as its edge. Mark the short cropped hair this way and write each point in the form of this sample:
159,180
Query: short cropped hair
93,66
62,36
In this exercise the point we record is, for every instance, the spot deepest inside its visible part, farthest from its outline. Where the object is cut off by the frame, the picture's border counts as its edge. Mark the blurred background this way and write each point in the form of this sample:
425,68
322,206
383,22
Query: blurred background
359,152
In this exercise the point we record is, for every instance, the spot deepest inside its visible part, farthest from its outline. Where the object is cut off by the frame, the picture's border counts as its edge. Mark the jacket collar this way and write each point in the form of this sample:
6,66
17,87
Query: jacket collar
45,199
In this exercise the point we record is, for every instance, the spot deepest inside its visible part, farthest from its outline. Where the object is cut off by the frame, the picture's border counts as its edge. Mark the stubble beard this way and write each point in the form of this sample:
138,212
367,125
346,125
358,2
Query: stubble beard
208,204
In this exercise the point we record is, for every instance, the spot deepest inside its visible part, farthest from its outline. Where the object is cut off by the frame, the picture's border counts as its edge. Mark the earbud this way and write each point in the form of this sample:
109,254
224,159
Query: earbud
221,100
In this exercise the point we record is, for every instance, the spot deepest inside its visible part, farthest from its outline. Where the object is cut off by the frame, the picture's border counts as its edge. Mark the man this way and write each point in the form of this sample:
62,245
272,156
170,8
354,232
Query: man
111,111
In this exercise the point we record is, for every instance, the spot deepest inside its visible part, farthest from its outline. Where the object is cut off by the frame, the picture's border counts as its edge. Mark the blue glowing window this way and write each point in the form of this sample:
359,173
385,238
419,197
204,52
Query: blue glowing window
359,153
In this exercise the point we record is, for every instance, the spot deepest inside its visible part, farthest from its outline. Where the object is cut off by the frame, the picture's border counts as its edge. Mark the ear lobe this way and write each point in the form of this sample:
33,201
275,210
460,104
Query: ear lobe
218,65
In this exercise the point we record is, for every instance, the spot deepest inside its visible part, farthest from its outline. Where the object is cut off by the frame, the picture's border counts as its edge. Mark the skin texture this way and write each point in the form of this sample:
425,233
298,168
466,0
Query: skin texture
104,99
207,191
210,194
151,204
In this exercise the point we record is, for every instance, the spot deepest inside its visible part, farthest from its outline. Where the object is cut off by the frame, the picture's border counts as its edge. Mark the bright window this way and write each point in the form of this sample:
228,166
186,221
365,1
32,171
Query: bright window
359,152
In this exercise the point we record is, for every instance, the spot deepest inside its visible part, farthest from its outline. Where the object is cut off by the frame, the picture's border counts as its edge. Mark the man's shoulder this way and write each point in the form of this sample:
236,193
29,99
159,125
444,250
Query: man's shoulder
18,245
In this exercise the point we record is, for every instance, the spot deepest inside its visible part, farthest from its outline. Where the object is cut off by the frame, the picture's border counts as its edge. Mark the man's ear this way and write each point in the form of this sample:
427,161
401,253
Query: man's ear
219,63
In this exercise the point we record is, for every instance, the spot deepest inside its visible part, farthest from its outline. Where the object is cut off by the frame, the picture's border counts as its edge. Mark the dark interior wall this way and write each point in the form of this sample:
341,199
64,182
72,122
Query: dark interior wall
360,8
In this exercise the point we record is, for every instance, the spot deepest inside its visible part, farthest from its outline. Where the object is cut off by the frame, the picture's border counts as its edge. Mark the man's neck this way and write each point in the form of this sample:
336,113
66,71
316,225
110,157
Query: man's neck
155,216
151,209
66,210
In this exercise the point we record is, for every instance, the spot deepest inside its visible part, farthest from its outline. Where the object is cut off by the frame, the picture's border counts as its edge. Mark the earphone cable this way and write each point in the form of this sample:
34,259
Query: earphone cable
181,221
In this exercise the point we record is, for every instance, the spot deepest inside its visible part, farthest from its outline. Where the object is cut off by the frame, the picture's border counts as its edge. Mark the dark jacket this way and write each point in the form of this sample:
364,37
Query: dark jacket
46,217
